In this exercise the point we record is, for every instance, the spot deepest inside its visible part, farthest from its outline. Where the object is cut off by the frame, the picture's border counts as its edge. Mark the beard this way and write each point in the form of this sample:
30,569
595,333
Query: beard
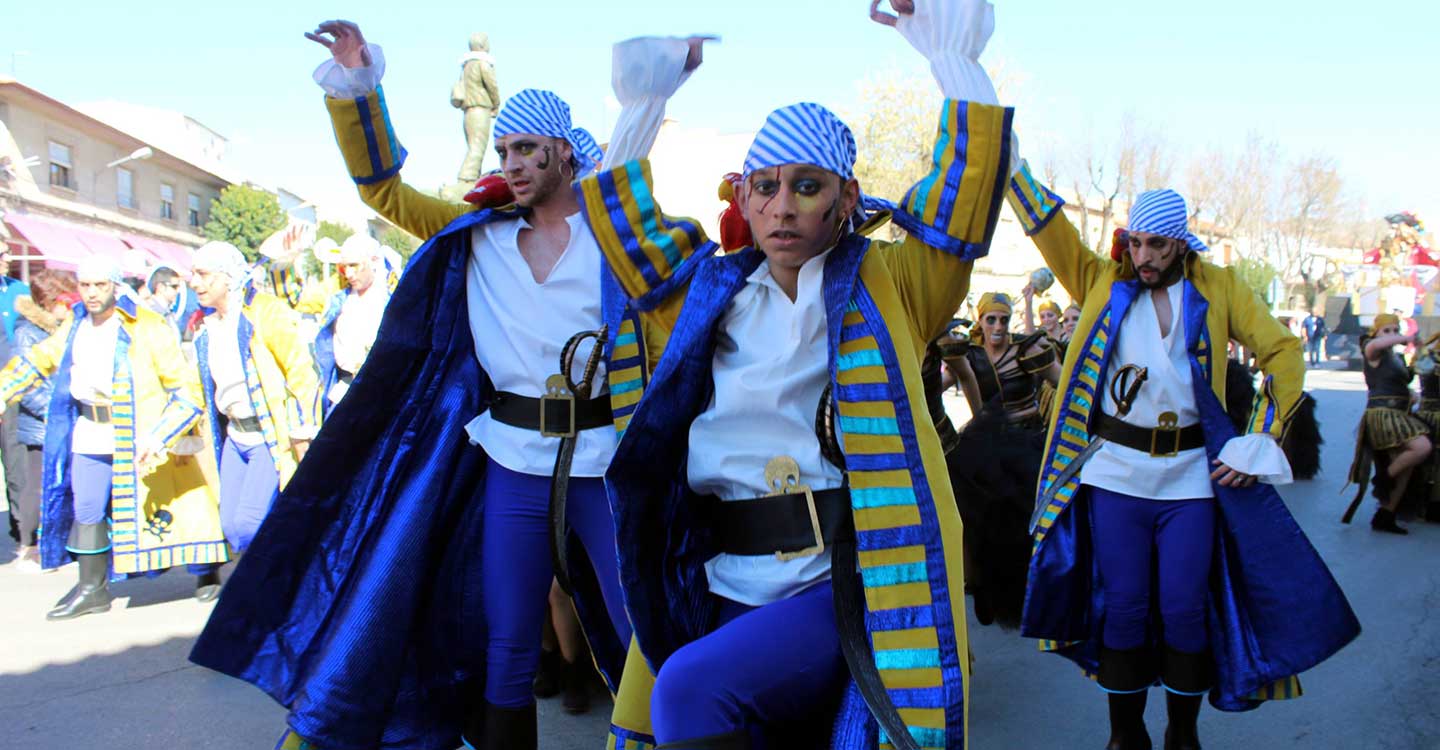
1169,276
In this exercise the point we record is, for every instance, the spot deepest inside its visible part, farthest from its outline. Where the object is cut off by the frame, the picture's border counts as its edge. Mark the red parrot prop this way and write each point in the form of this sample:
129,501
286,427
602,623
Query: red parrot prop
490,191
734,229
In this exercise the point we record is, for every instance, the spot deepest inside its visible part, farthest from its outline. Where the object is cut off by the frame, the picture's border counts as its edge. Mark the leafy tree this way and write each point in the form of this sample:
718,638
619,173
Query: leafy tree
244,216
334,230
400,241
1258,274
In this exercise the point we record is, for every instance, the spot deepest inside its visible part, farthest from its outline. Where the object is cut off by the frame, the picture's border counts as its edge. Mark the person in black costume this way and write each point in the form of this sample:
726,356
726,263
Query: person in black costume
1397,441
996,458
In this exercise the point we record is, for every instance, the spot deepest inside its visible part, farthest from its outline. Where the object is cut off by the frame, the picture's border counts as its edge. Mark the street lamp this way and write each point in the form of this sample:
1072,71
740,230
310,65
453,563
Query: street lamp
144,152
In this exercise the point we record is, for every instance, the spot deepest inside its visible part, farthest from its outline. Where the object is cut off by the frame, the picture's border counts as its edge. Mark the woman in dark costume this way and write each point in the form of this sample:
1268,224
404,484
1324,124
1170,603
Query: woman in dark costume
1423,499
999,452
1389,434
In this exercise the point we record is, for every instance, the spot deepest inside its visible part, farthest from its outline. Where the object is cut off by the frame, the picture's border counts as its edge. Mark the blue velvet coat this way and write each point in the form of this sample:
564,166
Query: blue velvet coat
1275,609
357,604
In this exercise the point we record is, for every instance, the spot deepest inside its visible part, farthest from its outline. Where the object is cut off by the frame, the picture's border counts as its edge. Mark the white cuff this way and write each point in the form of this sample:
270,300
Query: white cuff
1258,455
951,34
646,72
341,82
303,433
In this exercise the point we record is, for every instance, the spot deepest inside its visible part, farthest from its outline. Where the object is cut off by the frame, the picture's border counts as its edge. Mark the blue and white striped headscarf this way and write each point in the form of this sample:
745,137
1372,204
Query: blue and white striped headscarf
808,133
804,133
542,113
1163,212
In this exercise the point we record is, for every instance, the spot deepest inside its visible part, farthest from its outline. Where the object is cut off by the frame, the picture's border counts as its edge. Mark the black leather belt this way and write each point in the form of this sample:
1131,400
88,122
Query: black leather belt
94,412
244,424
1157,441
787,526
562,416
1387,402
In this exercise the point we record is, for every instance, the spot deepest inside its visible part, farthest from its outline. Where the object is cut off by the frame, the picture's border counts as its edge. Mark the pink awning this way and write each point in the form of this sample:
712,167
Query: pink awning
64,245
168,253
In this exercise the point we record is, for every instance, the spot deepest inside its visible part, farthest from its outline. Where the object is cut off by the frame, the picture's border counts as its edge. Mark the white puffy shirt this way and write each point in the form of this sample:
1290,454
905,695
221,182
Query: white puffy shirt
520,326
770,369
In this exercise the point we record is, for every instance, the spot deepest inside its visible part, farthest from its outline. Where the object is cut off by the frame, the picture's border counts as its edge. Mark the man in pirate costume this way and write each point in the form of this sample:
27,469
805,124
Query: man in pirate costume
405,571
729,505
260,385
1244,601
1387,427
1006,379
351,319
115,495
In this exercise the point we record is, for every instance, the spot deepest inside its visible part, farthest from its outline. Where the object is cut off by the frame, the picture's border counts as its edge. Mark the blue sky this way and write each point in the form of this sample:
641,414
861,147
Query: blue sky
1359,85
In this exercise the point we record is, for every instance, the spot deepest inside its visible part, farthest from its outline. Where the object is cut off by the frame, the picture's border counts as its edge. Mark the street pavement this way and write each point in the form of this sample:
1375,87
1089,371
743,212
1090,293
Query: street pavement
121,680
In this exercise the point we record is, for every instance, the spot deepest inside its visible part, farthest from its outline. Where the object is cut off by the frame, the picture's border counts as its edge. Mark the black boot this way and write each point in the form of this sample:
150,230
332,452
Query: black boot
1182,732
1127,721
578,676
731,741
1384,520
92,595
1186,677
550,675
207,586
1127,677
91,544
502,729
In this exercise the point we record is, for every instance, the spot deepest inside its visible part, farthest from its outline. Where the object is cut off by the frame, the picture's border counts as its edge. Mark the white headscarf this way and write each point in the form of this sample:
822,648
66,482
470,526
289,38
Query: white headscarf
223,257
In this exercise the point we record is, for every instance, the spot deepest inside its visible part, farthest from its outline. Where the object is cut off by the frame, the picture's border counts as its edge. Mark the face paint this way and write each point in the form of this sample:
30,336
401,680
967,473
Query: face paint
544,162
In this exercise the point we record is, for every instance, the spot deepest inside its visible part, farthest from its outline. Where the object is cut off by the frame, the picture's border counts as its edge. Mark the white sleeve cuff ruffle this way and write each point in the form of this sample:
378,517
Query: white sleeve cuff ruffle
646,72
1259,455
951,34
341,82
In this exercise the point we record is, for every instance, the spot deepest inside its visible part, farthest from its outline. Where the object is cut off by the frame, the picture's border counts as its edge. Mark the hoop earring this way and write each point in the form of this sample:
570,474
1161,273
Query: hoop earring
569,177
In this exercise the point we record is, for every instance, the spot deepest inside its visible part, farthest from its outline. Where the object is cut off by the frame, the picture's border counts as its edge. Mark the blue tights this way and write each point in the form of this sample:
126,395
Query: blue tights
762,667
1174,537
516,570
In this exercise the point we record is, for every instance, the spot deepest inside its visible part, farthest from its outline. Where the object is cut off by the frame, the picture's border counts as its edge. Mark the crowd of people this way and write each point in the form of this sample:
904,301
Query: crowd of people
729,461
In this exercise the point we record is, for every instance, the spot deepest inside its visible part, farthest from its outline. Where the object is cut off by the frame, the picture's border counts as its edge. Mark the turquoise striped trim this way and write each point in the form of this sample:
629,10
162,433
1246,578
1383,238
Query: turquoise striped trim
870,425
862,358
625,339
923,737
881,497
895,575
625,386
908,658
649,219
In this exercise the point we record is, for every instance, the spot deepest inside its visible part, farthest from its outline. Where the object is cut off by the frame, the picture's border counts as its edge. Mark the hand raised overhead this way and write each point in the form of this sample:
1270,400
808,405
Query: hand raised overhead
697,51
345,42
903,7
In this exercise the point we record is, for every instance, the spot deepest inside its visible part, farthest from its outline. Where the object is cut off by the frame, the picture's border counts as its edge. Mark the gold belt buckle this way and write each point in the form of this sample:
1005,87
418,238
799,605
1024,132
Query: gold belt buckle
783,476
1169,425
556,389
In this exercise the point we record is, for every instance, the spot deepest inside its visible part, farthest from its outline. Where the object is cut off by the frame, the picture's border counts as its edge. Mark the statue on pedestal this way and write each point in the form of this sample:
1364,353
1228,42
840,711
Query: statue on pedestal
478,95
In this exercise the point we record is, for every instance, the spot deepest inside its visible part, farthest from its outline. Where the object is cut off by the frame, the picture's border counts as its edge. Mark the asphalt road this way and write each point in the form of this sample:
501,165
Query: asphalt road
121,680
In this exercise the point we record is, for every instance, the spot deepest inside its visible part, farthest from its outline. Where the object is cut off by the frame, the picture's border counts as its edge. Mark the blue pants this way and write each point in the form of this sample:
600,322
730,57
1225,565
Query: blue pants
90,478
249,482
1175,538
516,571
769,667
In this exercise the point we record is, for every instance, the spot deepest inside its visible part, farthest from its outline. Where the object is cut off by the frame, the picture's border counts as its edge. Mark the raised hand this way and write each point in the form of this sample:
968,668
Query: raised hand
345,42
902,7
697,51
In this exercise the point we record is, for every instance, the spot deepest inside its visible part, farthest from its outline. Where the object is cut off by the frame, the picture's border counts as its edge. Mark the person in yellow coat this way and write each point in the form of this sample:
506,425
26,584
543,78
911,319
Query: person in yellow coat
1152,509
789,545
115,494
260,385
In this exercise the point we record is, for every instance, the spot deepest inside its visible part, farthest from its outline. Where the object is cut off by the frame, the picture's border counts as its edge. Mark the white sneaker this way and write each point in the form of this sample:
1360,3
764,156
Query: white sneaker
27,560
